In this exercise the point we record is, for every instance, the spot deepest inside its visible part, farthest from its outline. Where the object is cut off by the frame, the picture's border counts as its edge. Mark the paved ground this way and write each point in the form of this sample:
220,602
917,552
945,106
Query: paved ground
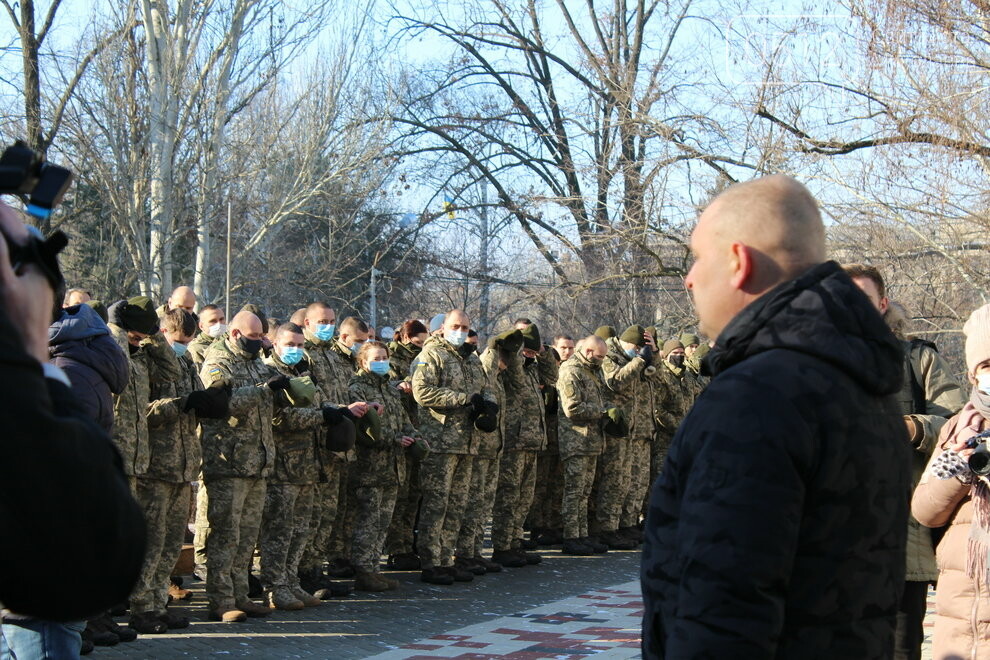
565,608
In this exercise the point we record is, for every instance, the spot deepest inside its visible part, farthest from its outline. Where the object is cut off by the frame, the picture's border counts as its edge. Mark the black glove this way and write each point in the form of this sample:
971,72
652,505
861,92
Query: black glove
280,382
211,403
477,404
647,354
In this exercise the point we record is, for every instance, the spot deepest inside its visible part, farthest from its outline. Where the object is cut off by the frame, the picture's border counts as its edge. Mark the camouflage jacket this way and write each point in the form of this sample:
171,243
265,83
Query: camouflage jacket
525,412
198,346
173,435
443,383
490,444
582,403
626,387
296,432
242,445
402,356
331,367
673,397
376,463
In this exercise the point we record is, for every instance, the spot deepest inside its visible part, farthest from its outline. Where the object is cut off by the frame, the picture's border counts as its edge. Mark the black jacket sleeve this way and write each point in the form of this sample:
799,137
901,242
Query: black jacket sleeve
73,537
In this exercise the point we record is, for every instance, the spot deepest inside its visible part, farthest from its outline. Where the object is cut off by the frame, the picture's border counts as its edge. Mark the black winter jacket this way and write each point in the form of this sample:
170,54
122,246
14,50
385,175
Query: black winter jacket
777,527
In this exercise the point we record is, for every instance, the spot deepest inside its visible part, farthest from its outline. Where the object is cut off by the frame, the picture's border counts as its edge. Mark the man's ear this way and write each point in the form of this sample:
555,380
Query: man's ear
884,305
740,265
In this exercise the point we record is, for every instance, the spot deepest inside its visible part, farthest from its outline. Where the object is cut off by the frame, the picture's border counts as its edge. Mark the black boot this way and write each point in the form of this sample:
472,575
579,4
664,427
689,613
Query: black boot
508,559
255,590
436,575
576,547
596,547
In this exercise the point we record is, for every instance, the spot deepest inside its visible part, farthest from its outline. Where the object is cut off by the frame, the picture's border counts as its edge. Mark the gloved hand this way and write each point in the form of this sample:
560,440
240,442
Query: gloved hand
280,382
647,354
477,404
614,422
211,403
332,415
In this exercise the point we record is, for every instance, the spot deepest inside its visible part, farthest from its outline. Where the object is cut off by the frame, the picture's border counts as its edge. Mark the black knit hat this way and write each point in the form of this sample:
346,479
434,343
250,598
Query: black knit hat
138,314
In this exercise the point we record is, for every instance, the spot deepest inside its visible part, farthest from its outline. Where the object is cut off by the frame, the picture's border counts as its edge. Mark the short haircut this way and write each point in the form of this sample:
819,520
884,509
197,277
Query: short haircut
862,271
316,306
209,308
352,325
472,333
179,320
411,328
591,341
564,337
289,327
368,346
70,292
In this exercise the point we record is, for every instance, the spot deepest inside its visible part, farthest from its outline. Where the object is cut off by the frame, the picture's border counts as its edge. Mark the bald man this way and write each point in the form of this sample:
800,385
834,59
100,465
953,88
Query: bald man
777,527
182,297
449,384
238,454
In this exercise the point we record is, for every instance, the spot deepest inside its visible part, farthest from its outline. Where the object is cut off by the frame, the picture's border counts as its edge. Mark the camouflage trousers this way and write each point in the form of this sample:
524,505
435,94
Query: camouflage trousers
481,499
235,508
286,528
513,497
373,506
342,528
659,445
579,473
166,508
445,480
201,530
611,484
639,481
545,512
324,513
402,532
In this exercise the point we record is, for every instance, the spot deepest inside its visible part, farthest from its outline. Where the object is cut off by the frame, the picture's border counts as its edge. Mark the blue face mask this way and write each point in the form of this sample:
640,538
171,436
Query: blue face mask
380,367
180,349
632,352
324,331
356,346
292,355
455,337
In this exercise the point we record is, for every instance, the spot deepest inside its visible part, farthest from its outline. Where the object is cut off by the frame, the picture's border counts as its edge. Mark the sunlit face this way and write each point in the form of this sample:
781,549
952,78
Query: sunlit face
456,322
564,348
210,318
419,340
176,337
320,316
373,354
710,277
357,337
289,340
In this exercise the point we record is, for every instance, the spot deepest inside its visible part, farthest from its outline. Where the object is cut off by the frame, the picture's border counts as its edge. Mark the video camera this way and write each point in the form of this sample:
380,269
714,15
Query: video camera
979,460
24,173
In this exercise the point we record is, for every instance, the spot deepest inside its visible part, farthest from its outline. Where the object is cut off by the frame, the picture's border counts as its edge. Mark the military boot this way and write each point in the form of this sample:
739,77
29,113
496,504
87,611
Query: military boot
459,574
615,541
99,634
576,547
147,623
176,592
489,565
308,599
87,643
174,621
593,543
255,590
251,608
405,561
227,613
340,567
531,558
632,533
550,537
368,581
281,598
528,544
436,575
392,583
106,622
508,559
470,565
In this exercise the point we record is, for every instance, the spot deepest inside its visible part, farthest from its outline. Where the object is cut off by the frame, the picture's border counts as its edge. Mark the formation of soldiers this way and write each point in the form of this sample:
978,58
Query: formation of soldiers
322,445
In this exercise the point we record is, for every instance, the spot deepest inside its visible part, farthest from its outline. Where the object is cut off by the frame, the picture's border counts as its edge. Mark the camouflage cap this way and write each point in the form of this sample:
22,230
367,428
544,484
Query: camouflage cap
369,428
670,345
605,331
301,391
634,335
689,339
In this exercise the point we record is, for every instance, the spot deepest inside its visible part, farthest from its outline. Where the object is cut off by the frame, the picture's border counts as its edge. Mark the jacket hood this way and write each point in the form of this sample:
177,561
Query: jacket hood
72,338
75,323
823,314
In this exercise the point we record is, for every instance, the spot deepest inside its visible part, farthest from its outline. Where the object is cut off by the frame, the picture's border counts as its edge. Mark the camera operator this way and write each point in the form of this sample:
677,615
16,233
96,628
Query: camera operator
73,537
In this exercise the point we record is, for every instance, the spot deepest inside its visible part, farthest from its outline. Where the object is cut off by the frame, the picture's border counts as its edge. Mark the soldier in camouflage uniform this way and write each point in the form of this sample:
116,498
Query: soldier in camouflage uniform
401,541
641,434
525,436
174,461
331,369
485,469
380,466
582,402
288,513
623,374
238,454
674,392
448,390
134,326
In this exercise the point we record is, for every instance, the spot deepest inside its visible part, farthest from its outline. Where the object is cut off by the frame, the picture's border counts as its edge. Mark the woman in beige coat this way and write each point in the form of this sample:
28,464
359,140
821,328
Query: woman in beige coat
951,494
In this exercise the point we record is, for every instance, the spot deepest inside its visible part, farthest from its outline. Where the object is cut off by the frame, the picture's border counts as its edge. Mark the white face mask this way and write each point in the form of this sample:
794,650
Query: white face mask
217,329
455,337
983,383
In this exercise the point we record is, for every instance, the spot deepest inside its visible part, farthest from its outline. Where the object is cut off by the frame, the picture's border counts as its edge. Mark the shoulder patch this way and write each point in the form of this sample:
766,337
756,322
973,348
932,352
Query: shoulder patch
214,374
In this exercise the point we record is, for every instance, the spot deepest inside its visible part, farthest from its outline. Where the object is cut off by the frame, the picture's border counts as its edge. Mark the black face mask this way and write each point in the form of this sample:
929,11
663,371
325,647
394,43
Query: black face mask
466,349
529,361
133,349
677,360
249,346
